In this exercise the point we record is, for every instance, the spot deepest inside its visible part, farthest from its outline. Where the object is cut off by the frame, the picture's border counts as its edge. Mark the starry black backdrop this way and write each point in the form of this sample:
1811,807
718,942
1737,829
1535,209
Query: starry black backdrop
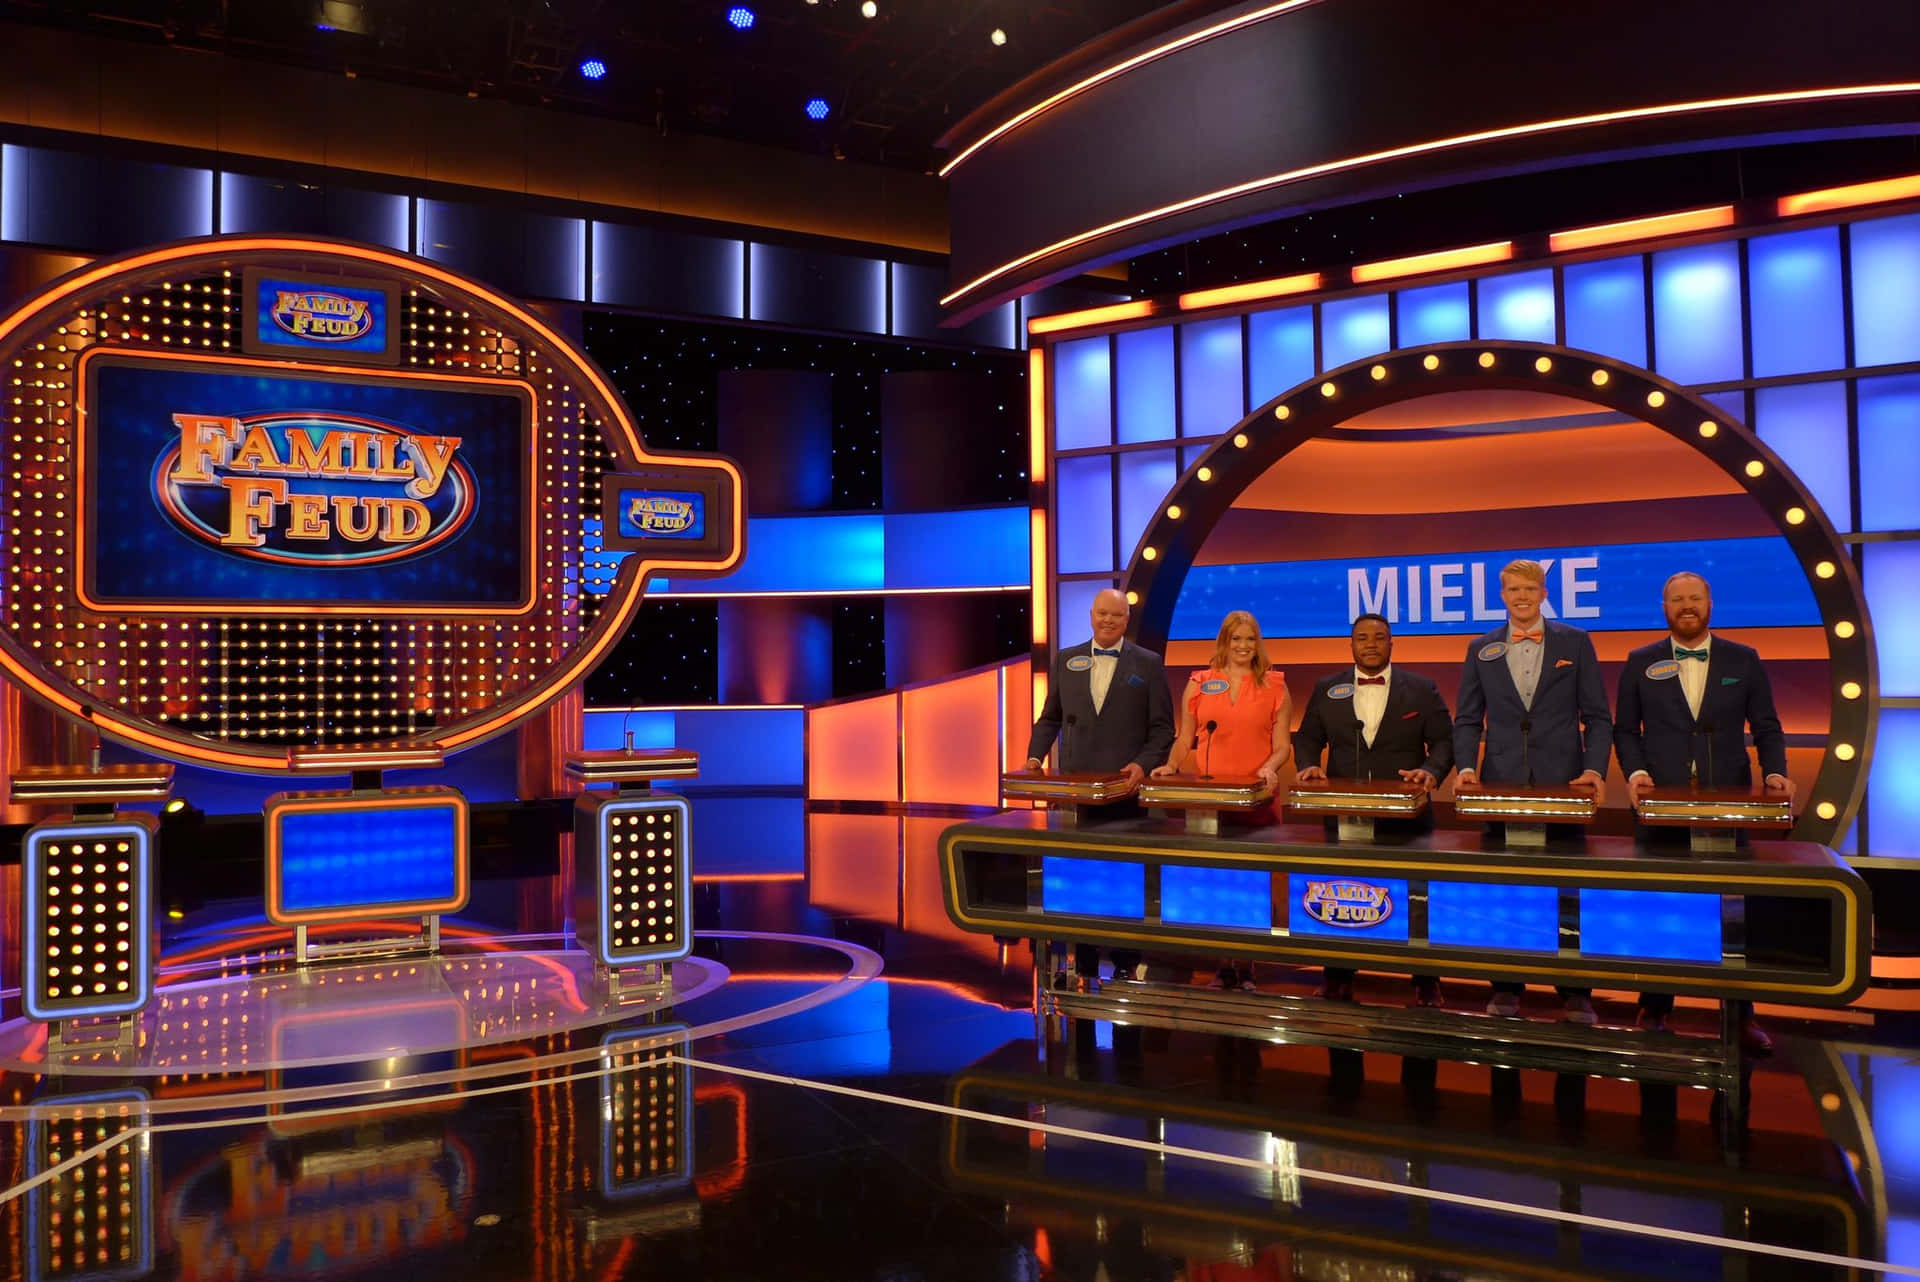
668,372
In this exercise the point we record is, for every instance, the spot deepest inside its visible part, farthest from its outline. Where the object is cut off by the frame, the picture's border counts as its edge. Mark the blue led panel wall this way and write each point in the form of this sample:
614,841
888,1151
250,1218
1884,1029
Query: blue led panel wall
253,204
1434,314
99,203
1464,914
972,547
1696,313
1886,280
1212,399
1216,897
1660,925
1517,307
1891,577
1143,385
1806,425
917,313
1793,285
1890,453
1074,610
1082,394
1145,478
669,271
815,288
739,747
1607,308
1279,352
1893,784
536,255
1083,529
1093,887
1353,328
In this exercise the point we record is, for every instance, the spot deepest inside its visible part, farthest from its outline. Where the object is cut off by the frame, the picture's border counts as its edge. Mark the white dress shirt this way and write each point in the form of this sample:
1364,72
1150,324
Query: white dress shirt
1693,673
1101,677
1370,701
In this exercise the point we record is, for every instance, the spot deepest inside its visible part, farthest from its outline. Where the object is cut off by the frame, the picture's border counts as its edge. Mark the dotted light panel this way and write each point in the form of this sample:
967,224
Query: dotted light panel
633,903
646,1113
94,1220
87,913
337,856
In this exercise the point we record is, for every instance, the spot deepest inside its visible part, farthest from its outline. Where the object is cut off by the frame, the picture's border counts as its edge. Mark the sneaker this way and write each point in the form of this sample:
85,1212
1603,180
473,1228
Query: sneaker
1506,1005
1579,1010
1426,992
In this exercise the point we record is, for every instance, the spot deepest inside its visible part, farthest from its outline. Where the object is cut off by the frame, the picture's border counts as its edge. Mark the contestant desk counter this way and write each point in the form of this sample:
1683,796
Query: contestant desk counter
1775,921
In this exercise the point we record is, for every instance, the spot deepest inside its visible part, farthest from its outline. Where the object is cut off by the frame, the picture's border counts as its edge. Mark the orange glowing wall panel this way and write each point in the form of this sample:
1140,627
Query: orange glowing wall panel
853,750
1016,714
953,741
853,865
923,909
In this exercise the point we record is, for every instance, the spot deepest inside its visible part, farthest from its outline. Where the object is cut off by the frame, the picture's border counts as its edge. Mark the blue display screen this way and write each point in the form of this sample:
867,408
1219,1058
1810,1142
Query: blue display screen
1093,887
662,514
369,858
1466,914
1660,925
1347,907
316,316
212,482
1216,897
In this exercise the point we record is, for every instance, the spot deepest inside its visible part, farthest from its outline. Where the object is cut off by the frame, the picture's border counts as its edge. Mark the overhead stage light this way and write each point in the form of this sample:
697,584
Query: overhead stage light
593,69
998,37
740,17
817,109
869,9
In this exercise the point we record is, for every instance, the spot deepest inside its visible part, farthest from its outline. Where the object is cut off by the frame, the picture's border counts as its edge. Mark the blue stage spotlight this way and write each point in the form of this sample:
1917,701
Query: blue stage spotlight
740,17
593,69
817,109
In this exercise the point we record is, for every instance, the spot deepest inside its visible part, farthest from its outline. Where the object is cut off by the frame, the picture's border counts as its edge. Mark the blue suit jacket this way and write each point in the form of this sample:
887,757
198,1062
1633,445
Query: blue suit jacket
1134,724
1656,733
1569,727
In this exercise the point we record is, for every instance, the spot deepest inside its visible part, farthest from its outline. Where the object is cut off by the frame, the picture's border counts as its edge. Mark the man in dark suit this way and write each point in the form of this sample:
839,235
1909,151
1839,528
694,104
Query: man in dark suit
1376,721
1685,705
1108,704
1532,689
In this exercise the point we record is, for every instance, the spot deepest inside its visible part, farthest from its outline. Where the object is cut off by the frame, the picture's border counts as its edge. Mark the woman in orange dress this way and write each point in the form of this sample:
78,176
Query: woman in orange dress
1236,718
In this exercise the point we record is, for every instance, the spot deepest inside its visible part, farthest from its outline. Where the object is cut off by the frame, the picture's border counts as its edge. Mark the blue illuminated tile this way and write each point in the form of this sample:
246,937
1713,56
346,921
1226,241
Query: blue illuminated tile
1886,280
1093,887
1347,907
1211,399
1893,785
1890,575
1216,897
1434,314
341,856
971,547
1607,308
1696,313
1793,284
1889,461
1279,351
1082,394
1806,425
1143,385
1083,507
1464,914
1074,610
1146,477
610,729
1518,307
1660,925
1352,329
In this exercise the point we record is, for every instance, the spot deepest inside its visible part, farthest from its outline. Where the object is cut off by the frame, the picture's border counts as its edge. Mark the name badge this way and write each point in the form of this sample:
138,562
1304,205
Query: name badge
1079,663
1342,691
1216,686
1665,670
1488,653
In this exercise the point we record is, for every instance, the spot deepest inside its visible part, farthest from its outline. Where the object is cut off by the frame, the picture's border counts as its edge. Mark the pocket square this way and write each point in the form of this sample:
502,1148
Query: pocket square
1135,679
1563,663
1408,716
1729,681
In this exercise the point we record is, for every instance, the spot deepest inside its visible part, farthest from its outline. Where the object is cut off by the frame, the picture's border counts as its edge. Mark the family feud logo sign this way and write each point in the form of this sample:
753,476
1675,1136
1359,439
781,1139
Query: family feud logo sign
662,515
322,316
1353,905
329,318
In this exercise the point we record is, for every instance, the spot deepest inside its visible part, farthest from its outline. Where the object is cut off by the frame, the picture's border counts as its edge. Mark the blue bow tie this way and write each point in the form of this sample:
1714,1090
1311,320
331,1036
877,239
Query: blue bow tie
1681,652
1110,654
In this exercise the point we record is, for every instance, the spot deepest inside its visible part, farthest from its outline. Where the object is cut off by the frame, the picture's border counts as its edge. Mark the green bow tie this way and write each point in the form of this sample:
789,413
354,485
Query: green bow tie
1681,652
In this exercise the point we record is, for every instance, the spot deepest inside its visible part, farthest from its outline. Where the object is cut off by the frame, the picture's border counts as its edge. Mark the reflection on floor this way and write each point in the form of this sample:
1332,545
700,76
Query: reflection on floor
797,1113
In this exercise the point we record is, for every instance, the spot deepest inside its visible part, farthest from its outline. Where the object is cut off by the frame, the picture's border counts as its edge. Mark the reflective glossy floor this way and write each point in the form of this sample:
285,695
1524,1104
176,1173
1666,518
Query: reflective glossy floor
841,1086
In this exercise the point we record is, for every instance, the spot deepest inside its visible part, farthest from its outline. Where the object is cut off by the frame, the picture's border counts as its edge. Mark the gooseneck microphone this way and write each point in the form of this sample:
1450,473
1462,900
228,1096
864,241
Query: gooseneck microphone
1706,727
1206,758
1066,733
1359,741
1526,747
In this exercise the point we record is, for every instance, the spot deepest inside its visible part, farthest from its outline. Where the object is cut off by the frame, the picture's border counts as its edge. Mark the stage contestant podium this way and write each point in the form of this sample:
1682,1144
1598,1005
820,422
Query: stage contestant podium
1715,817
367,852
1075,798
86,928
631,874
1526,810
1201,798
1357,804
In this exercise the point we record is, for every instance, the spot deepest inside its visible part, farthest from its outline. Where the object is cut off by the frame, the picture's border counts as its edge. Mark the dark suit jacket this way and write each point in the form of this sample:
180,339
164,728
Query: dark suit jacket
1656,733
1134,724
1415,731
1571,727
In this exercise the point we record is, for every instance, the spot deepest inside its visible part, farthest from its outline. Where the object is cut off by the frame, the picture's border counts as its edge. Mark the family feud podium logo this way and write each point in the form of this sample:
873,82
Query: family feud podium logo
313,488
1353,904
322,316
658,515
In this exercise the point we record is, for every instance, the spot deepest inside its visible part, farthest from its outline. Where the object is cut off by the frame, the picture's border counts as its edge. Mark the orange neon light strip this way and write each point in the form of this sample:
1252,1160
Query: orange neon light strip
1873,193
1528,129
1037,470
1279,287
1118,69
1037,417
1440,261
1089,316
399,799
1641,228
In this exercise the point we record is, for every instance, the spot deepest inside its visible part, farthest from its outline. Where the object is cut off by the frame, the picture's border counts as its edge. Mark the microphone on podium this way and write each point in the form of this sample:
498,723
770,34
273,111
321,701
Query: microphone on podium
1066,731
1206,760
1526,747
1706,727
1359,741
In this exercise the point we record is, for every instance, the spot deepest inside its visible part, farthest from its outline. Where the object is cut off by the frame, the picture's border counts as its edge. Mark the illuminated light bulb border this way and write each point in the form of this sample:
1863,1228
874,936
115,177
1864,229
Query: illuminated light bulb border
69,976
1249,448
640,841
